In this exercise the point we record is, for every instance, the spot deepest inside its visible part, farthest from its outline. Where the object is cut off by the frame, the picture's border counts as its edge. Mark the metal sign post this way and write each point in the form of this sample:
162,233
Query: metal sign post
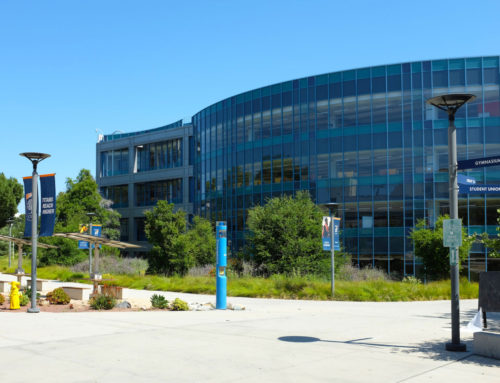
450,103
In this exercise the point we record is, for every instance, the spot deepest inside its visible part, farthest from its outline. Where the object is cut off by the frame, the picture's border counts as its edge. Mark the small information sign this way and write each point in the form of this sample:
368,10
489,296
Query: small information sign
452,233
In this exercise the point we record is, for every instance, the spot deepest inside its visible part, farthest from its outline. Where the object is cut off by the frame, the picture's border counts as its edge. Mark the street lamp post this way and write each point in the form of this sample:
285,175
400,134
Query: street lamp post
10,221
35,158
450,103
90,215
331,206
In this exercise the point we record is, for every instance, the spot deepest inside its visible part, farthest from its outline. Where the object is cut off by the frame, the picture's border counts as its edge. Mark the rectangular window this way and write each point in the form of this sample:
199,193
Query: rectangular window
149,193
140,233
162,155
123,229
114,162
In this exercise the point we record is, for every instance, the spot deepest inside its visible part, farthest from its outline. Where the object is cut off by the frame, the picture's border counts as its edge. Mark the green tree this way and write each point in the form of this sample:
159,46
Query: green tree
164,229
11,193
285,236
81,197
200,242
428,243
17,231
492,243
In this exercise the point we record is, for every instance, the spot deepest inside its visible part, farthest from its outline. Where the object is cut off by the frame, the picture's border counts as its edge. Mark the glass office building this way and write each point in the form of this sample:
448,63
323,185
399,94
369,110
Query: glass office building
363,138
135,170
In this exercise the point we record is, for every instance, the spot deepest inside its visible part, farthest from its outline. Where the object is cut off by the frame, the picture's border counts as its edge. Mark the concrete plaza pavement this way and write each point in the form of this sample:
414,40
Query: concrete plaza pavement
269,341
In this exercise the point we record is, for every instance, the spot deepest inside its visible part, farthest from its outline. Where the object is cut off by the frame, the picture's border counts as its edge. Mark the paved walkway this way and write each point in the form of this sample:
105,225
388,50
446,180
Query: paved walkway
270,341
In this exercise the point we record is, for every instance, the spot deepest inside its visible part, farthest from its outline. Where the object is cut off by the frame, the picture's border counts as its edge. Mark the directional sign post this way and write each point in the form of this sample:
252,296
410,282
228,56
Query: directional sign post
450,103
479,189
478,163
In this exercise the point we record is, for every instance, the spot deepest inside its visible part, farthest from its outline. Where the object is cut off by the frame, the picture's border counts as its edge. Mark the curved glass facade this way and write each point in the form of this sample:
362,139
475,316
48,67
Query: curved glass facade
364,138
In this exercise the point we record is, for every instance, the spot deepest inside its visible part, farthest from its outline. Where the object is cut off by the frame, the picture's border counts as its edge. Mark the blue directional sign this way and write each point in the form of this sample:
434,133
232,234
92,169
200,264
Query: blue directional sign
83,245
479,189
479,163
466,180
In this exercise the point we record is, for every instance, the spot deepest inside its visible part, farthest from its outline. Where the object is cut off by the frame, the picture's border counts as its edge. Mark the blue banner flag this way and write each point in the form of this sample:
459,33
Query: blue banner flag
28,199
326,233
479,189
479,163
336,234
48,199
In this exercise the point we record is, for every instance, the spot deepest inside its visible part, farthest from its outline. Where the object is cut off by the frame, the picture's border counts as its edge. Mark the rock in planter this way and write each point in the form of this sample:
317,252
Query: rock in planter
124,305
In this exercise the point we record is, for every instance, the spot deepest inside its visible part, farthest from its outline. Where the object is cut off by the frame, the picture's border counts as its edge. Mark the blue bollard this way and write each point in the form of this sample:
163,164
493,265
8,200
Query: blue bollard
220,268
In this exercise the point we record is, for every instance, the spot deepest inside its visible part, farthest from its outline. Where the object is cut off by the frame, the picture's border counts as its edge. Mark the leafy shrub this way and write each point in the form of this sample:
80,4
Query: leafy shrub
428,242
115,265
102,302
159,301
347,272
2,299
179,305
58,297
24,300
27,292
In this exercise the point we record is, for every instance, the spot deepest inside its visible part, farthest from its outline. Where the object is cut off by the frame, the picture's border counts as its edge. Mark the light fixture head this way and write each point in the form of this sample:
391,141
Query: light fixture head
450,102
33,156
331,205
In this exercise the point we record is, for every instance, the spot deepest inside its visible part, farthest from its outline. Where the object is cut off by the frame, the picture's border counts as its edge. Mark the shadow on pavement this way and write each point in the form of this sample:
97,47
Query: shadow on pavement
359,342
432,350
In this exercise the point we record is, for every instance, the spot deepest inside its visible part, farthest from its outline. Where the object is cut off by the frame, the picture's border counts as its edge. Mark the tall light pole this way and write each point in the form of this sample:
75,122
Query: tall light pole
90,215
35,158
10,221
331,206
450,103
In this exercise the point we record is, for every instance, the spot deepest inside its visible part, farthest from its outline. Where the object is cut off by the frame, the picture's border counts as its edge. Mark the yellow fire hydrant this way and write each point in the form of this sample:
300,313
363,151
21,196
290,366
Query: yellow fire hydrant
14,295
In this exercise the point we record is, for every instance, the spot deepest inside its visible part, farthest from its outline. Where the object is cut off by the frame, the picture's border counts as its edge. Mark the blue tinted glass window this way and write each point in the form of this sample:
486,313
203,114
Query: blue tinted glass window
349,143
378,84
287,98
266,103
349,88
379,141
256,105
440,78
440,137
364,86
365,142
491,75
322,146
416,80
335,90
457,77
394,83
395,139
321,92
474,76
276,100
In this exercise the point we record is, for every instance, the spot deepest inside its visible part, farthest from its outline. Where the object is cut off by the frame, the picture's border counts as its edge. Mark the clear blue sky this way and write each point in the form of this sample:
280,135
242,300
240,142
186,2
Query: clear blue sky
68,68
